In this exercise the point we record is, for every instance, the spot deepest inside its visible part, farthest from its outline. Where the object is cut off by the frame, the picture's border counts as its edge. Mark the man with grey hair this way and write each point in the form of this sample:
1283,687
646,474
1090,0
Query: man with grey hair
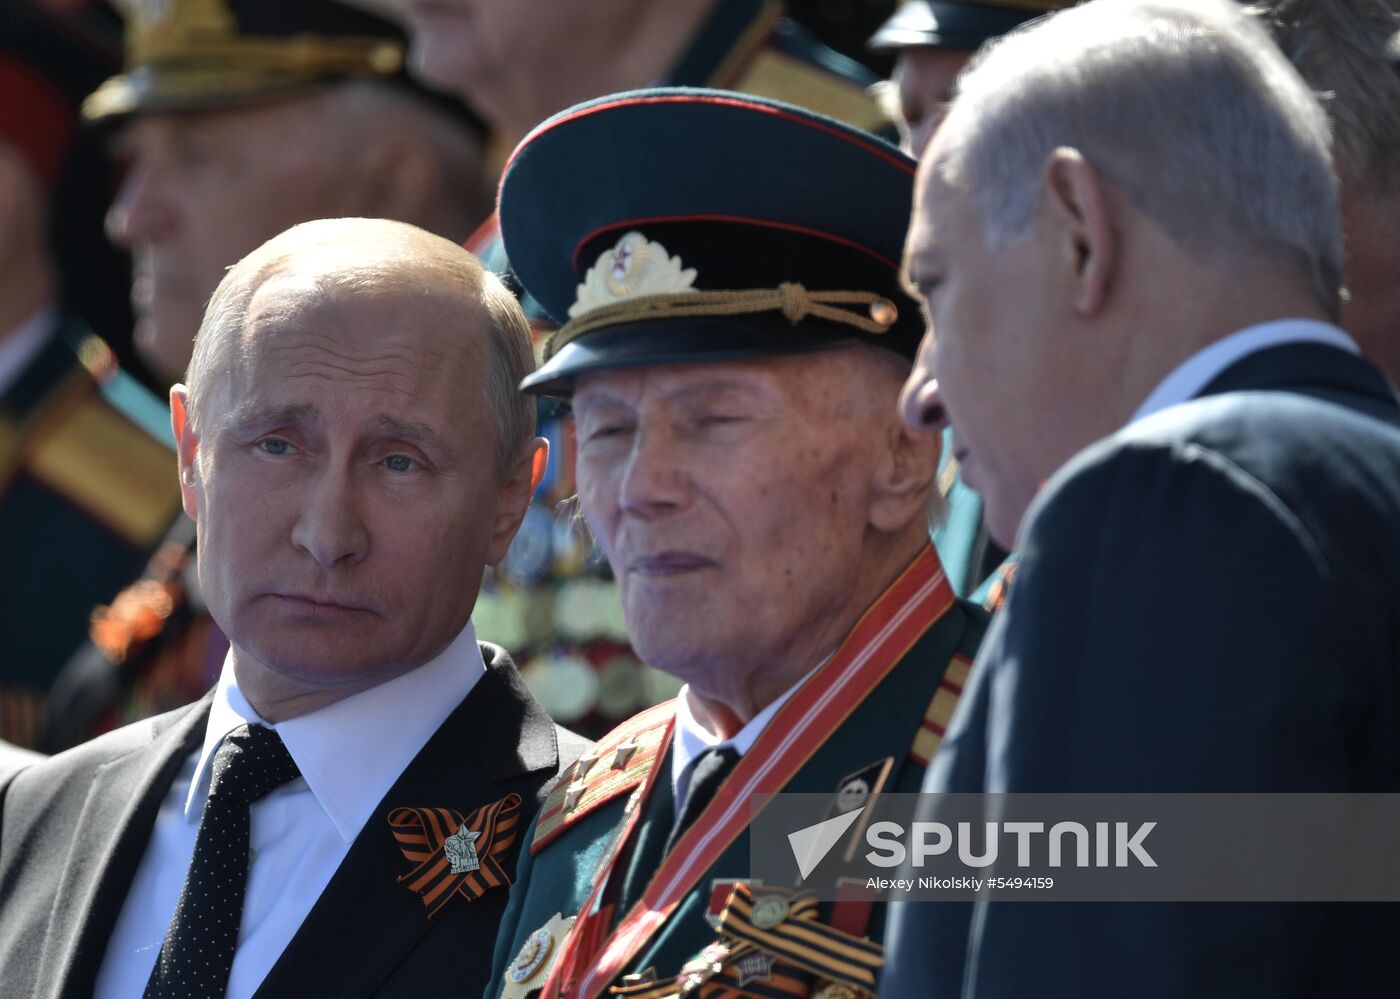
353,458
1350,54
1200,471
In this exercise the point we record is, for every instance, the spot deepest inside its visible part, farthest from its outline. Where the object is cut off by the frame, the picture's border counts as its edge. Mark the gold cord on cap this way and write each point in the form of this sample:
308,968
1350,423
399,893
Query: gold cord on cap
793,300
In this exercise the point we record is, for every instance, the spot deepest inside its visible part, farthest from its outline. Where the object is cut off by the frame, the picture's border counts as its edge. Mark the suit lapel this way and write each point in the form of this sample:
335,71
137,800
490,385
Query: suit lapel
365,923
117,819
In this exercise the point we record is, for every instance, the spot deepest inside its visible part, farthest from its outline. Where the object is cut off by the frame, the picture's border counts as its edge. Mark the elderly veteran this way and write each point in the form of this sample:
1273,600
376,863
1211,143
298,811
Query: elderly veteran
733,347
1201,473
354,453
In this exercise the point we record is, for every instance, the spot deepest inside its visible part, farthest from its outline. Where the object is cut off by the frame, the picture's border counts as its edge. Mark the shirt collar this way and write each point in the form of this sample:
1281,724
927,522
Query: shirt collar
691,738
351,752
22,344
1199,370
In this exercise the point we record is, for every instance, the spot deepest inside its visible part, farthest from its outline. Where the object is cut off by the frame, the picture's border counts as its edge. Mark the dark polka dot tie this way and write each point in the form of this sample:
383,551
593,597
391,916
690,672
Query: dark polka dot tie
195,959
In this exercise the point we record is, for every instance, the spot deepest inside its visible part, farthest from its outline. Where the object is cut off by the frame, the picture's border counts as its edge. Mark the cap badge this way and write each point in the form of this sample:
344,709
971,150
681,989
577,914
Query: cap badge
634,267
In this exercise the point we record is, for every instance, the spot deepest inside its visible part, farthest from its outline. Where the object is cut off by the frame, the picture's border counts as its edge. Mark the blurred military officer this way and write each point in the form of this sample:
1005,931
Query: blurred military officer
237,119
85,485
932,40
1351,53
520,61
733,342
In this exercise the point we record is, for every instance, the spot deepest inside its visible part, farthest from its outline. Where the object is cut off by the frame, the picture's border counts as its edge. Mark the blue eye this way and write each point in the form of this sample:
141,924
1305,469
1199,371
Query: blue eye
274,445
399,463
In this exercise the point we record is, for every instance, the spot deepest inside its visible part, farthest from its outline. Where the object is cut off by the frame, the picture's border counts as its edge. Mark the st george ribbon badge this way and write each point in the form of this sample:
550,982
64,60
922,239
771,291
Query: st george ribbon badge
455,855
460,850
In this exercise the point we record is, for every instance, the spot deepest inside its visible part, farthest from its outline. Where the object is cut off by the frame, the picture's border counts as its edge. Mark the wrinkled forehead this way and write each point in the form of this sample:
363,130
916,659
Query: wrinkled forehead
371,332
394,306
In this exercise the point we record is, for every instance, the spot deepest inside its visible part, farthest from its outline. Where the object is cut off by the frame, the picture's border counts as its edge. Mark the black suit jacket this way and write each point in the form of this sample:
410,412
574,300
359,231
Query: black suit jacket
73,830
1209,600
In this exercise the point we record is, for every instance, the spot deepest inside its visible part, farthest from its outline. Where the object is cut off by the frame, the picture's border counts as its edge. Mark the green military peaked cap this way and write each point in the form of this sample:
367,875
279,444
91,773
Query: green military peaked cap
676,225
199,54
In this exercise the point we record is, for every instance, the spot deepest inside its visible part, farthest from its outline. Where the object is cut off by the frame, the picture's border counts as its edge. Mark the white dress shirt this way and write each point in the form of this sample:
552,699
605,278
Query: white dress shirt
22,344
1201,368
691,739
350,754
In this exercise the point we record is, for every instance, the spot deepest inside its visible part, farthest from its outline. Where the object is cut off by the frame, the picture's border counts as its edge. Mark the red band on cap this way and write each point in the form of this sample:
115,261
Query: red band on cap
894,159
35,117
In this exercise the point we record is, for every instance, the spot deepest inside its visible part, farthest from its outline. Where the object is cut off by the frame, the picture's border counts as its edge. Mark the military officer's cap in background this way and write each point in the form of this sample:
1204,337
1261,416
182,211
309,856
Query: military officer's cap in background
675,225
189,55
944,24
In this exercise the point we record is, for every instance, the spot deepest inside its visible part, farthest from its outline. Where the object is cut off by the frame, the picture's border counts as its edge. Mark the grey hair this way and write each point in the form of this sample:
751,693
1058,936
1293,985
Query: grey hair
1187,108
368,251
1350,53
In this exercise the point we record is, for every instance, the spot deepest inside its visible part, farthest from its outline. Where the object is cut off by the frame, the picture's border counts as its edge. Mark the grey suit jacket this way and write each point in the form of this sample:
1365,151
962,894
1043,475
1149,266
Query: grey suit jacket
73,830
1208,601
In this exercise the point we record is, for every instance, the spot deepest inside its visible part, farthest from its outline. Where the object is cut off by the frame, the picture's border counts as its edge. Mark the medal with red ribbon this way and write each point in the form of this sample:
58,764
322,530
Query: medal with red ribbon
591,958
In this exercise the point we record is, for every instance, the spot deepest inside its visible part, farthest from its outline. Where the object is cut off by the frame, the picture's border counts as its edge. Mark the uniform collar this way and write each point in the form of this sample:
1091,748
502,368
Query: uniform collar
351,752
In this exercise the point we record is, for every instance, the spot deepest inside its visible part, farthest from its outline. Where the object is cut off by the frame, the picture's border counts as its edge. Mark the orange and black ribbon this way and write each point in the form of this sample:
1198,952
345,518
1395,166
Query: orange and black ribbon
1000,588
780,957
725,971
422,834
801,940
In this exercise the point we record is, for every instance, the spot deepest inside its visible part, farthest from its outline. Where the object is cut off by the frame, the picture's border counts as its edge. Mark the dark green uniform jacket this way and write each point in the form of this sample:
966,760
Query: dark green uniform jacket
901,720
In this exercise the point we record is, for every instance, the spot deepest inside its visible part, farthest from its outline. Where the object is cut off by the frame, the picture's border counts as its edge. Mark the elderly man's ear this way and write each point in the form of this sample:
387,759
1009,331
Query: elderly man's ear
187,446
904,476
516,492
1079,210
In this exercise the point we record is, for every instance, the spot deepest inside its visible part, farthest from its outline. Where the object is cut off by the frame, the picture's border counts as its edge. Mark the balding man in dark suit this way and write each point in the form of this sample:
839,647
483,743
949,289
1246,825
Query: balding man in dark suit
353,453
1200,471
